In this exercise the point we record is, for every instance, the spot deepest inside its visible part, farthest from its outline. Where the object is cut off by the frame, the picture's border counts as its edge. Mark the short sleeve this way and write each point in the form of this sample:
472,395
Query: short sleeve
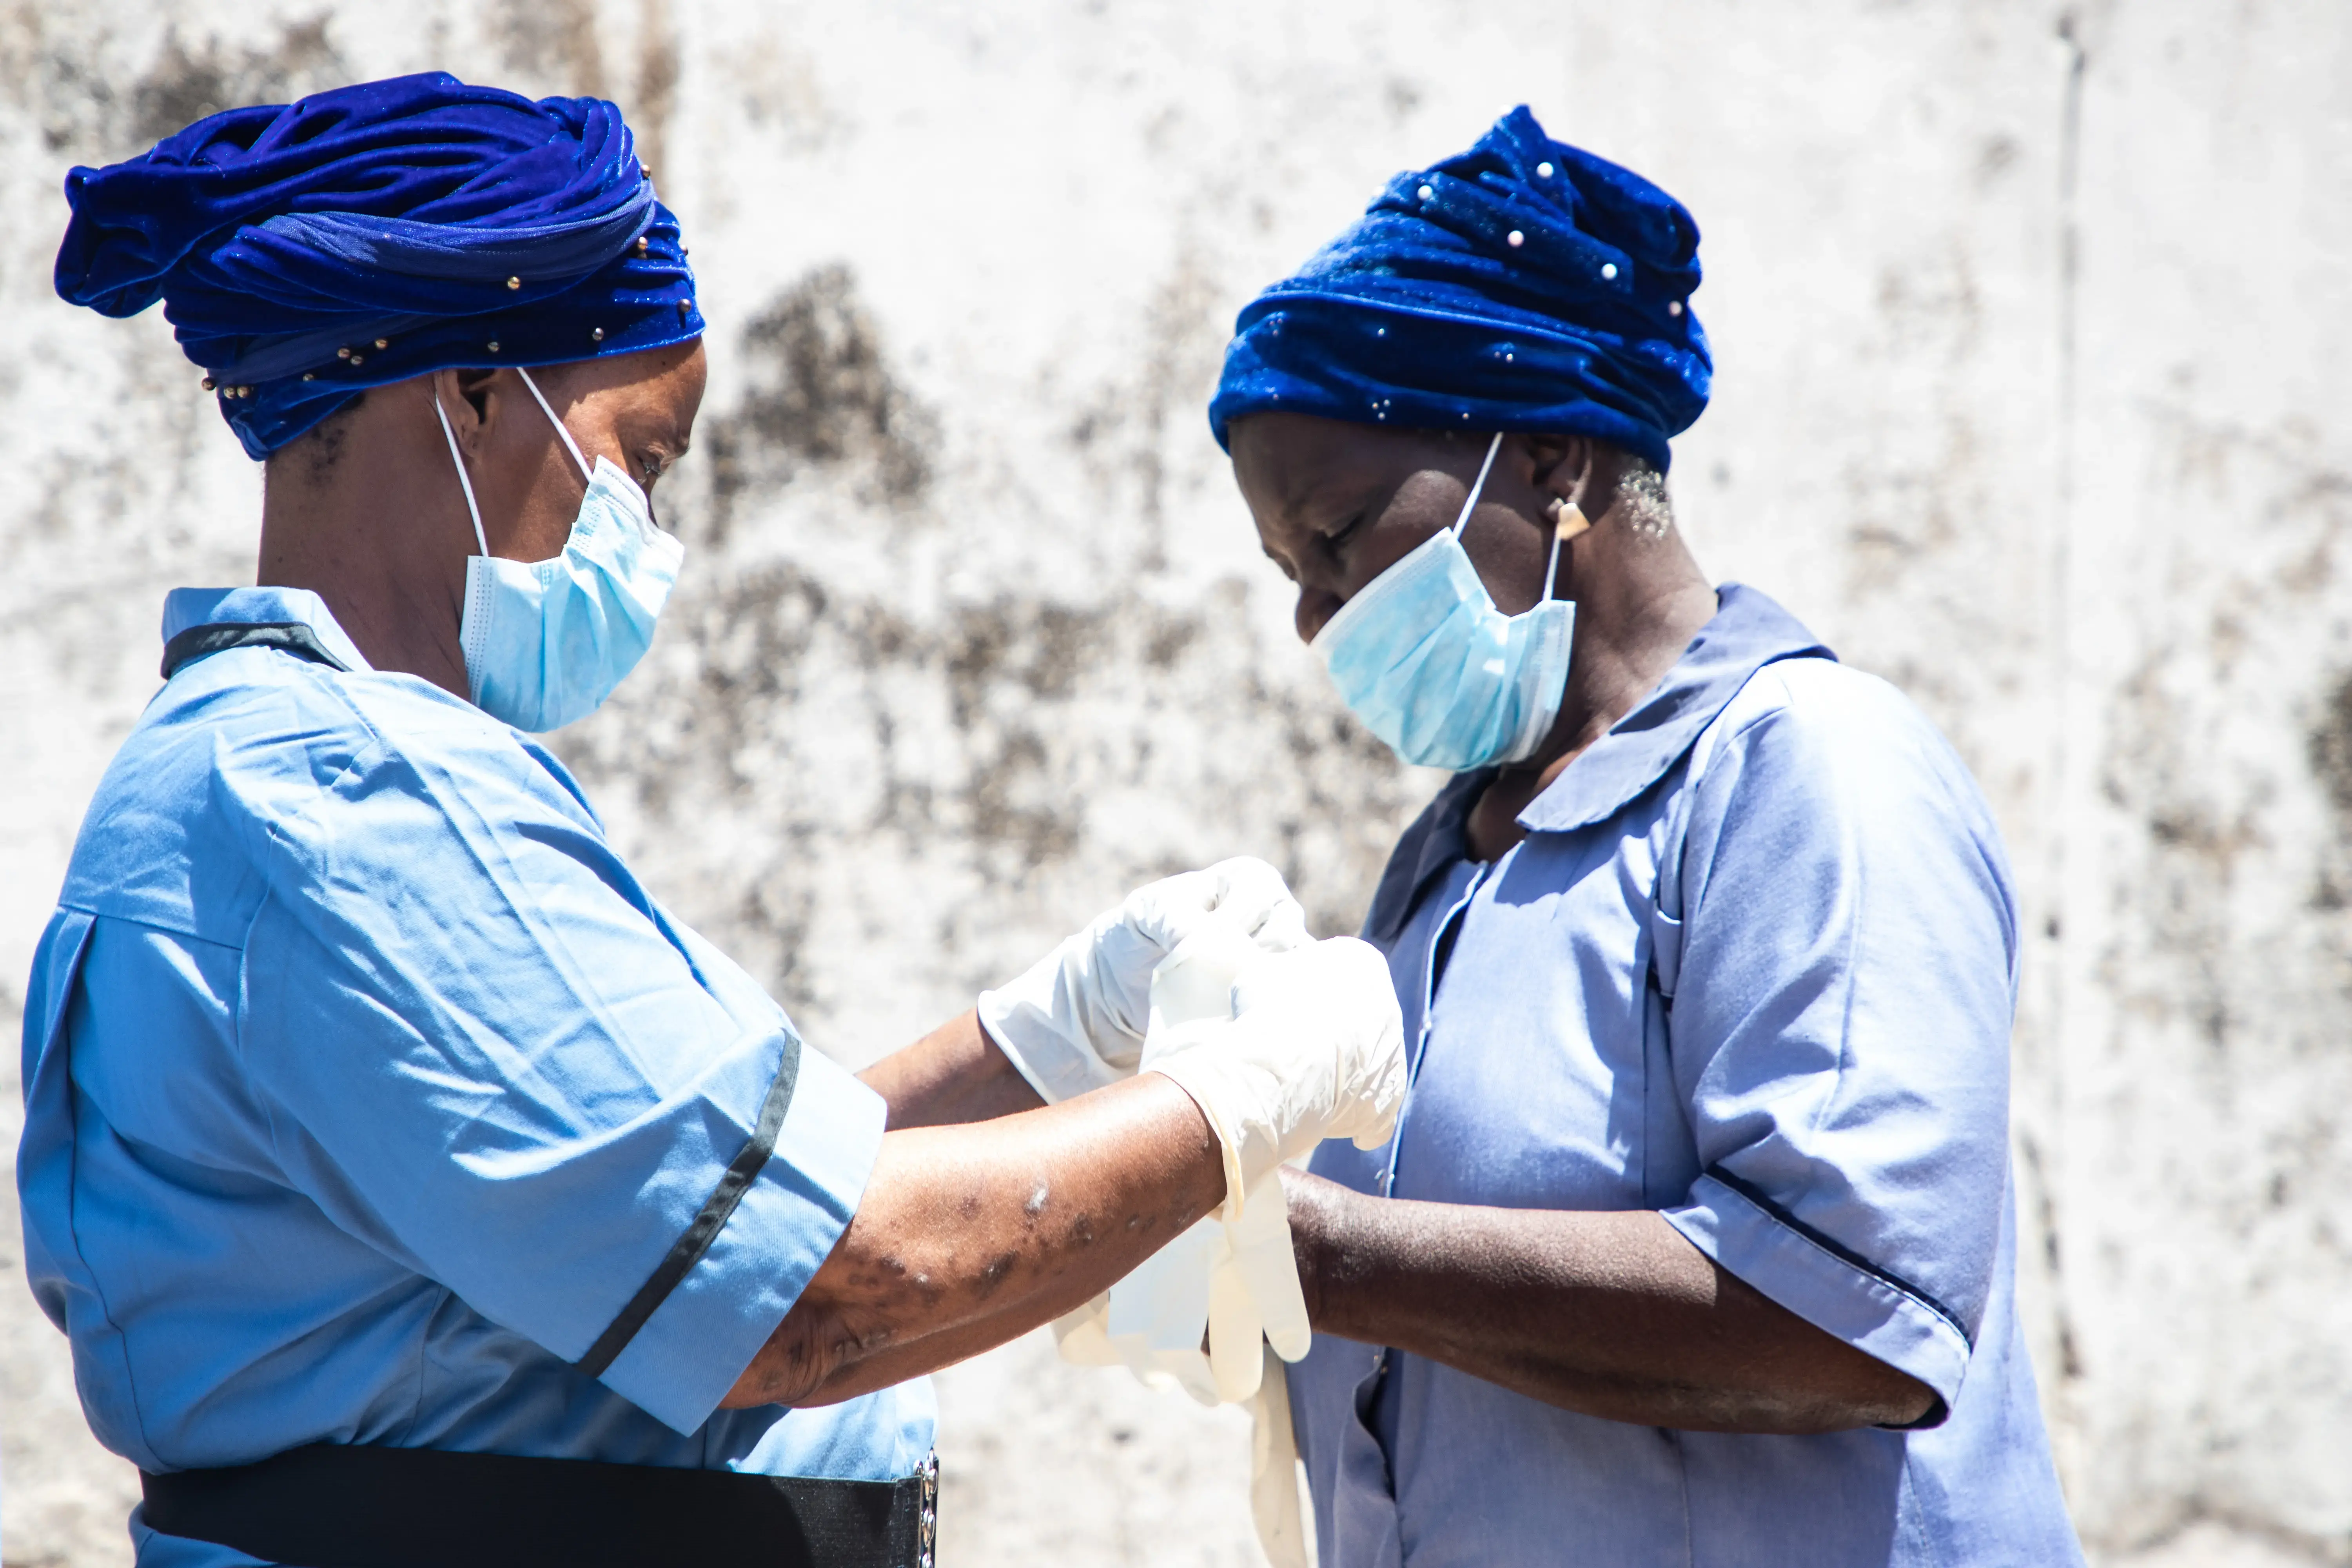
485,1050
1840,1019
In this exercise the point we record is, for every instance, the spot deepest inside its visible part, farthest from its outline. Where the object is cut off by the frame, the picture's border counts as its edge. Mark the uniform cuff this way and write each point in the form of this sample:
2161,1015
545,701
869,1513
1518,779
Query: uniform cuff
703,1336
1825,1285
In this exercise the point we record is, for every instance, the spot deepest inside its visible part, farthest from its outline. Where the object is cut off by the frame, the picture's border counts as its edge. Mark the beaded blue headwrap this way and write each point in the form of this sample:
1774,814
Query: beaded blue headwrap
1524,285
306,252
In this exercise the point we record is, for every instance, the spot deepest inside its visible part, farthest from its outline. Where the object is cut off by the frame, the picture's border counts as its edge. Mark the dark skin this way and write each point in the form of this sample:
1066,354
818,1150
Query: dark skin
367,512
966,1236
1611,1314
987,1214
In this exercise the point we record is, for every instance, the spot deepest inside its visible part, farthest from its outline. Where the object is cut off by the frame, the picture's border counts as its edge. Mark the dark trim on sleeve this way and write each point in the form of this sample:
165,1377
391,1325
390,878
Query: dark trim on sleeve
716,1209
1938,1413
1839,1250
218,636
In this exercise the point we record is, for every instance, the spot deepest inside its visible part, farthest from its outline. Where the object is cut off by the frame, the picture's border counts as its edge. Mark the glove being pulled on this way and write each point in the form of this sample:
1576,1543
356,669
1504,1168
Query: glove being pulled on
1075,1020
1315,1049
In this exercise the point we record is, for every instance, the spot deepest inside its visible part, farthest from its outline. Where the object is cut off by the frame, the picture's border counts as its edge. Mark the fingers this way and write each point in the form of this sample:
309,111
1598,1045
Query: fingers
1268,1268
1252,895
1243,892
1165,912
1229,1286
1195,983
1235,1334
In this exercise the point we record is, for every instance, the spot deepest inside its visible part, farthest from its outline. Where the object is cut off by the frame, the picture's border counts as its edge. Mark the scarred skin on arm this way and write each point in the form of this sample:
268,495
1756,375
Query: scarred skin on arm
969,1235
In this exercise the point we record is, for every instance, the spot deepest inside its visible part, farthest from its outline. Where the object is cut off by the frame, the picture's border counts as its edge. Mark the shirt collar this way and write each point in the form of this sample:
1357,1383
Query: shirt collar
186,607
1748,632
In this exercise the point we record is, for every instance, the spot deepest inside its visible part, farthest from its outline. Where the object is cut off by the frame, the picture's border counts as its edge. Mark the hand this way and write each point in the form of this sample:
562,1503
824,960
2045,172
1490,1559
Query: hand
1315,1049
1075,1021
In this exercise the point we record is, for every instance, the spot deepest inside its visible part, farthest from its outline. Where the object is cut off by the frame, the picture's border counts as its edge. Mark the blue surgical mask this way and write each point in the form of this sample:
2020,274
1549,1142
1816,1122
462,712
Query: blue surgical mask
1424,658
547,641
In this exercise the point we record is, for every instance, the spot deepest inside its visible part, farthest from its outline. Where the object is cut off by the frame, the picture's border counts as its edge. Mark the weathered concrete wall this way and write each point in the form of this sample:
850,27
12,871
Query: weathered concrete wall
2032,323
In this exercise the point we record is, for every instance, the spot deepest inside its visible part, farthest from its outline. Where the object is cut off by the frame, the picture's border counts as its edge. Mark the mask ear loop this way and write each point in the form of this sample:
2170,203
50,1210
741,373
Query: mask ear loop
1571,522
570,445
464,480
1470,502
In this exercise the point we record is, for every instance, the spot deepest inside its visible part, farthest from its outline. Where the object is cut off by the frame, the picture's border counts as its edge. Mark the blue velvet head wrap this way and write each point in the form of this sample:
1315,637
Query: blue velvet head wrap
1524,285
306,252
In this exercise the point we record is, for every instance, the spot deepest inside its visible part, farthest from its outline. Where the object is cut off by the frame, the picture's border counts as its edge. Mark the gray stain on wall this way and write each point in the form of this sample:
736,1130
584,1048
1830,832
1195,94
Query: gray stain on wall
820,393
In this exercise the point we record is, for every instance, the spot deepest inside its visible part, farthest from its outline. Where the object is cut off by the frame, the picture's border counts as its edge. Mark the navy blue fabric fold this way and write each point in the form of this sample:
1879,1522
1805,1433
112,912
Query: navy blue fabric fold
459,224
1523,285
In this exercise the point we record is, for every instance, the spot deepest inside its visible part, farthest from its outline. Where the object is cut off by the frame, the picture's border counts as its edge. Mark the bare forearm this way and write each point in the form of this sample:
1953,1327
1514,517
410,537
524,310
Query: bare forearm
935,1351
1612,1314
954,1074
968,1236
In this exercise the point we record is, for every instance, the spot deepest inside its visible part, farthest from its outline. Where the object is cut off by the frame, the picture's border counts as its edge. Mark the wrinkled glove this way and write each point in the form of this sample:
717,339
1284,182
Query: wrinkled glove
1154,1320
1077,1020
1235,1286
1234,1280
1233,1272
1151,1321
1315,1049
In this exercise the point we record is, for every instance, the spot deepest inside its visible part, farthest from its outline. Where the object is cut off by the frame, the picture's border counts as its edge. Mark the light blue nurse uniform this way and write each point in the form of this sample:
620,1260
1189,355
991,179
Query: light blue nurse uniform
1752,967
367,1093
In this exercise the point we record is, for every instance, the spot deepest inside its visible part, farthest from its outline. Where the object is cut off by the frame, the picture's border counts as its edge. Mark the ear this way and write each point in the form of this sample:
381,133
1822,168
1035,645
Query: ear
469,399
1559,462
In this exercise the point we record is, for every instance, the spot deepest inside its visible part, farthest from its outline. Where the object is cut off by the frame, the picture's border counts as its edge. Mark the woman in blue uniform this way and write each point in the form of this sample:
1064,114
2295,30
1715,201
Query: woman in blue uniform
1694,1245
414,1188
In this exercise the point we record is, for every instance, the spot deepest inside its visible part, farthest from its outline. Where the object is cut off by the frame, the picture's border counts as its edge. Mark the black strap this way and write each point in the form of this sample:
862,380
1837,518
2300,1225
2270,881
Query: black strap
333,1507
218,636
696,1240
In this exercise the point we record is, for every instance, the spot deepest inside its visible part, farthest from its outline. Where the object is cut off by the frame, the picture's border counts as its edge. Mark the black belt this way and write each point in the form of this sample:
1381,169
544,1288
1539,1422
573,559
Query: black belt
331,1507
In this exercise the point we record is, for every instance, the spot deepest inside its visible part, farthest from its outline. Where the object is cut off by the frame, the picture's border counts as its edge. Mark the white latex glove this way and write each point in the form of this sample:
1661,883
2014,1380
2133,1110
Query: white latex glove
1151,1321
1167,1355
1154,1320
1233,1272
1259,1267
1315,1049
1253,1291
1235,1282
1235,1285
1075,1021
